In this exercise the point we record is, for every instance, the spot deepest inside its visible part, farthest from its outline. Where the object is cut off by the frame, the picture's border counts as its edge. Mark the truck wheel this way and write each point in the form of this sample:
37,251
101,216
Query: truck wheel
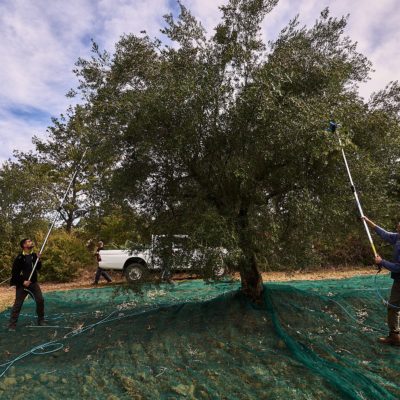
135,272
219,271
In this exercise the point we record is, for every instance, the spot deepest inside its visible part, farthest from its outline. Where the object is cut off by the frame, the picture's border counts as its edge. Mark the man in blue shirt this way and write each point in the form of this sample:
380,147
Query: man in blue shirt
393,318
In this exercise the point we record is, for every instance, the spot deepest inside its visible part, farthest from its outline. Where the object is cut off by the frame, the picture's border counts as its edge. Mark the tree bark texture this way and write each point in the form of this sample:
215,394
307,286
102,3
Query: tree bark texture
252,284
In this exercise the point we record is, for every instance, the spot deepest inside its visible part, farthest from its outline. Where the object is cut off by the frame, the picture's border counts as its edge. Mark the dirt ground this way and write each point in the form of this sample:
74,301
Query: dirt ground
85,281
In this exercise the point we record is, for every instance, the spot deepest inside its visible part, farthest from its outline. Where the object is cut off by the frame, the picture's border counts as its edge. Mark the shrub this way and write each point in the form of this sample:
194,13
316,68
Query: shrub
63,257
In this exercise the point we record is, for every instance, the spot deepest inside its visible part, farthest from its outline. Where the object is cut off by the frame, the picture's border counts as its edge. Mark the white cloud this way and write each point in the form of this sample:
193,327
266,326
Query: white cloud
206,11
10,140
41,40
38,48
375,26
127,16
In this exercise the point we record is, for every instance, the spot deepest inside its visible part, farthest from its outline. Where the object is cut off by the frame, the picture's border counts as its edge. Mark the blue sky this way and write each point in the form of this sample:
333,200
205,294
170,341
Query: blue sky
40,40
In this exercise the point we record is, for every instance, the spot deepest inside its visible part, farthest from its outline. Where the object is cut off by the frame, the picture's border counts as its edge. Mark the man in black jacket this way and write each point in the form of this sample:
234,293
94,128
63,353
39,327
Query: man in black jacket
21,270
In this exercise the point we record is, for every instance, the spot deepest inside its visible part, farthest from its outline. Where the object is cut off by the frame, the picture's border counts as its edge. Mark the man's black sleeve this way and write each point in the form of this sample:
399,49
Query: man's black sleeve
16,278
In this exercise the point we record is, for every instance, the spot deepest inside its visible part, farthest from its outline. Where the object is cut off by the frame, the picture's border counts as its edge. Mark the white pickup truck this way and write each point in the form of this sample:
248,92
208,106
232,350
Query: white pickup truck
136,265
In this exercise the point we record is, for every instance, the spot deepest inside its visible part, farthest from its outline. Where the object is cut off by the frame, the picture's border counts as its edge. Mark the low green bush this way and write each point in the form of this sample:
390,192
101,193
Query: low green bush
63,257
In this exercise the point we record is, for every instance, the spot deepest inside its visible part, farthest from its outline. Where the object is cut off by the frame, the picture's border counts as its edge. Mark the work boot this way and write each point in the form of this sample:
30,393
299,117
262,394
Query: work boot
12,327
42,322
393,339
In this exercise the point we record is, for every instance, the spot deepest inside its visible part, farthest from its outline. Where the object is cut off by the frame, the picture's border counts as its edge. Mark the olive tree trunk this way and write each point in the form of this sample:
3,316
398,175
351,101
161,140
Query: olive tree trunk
252,284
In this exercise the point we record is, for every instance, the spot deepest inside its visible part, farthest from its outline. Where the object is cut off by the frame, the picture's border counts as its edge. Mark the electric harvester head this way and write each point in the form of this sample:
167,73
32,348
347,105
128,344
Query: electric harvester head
332,126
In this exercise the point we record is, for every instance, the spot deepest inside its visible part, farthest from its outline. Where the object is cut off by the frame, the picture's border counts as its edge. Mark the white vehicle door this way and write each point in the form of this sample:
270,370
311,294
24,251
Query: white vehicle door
113,259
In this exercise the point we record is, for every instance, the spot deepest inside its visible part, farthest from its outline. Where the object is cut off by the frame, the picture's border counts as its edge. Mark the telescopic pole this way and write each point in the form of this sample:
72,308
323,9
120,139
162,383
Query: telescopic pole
56,216
333,127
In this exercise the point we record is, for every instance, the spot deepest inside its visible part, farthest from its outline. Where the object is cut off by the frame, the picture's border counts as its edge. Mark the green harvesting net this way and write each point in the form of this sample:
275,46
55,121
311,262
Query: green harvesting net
192,340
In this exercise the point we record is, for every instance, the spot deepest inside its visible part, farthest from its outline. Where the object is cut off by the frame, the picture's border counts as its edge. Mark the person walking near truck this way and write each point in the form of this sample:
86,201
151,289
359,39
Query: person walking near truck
100,272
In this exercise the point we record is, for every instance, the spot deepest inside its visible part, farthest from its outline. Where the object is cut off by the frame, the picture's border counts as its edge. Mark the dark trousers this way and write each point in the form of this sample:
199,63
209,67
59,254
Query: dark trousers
20,295
101,272
394,312
166,272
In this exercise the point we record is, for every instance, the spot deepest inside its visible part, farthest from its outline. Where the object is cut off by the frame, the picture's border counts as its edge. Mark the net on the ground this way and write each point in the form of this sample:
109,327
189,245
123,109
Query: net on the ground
193,340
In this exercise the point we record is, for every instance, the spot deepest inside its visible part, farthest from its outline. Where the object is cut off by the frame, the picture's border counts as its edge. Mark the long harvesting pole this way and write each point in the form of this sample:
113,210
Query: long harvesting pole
56,216
333,127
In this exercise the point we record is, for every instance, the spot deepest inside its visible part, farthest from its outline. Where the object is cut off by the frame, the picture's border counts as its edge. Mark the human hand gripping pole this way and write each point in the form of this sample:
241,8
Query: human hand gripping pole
56,216
333,128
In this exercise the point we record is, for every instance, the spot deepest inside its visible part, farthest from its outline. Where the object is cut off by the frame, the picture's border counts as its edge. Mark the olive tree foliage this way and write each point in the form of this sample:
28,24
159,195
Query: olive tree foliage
382,139
33,184
22,205
223,137
63,152
60,164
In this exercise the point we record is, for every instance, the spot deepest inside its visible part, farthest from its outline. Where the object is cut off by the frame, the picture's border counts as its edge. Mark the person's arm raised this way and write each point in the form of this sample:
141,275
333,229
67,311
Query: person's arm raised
370,223
390,237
